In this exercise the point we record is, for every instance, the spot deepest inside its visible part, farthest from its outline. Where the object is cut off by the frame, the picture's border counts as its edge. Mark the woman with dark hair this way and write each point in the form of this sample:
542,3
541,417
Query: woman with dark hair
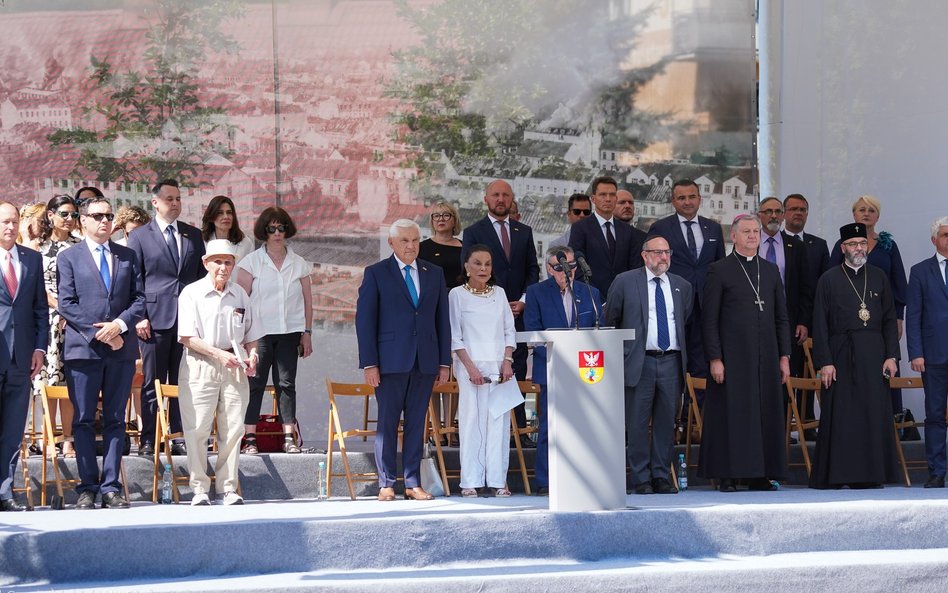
444,248
62,218
87,192
220,222
483,341
278,282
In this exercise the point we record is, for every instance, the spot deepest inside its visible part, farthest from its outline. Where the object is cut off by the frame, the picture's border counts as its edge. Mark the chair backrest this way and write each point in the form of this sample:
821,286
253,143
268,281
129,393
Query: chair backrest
50,393
348,389
804,384
528,387
699,383
163,392
450,387
809,369
906,383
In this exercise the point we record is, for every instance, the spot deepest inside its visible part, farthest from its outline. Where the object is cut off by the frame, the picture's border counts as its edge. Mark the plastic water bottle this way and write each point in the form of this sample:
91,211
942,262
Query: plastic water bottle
682,473
321,482
166,485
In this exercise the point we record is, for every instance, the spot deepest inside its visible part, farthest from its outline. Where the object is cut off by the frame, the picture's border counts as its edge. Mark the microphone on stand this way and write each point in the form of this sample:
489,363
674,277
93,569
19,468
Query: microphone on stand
587,278
564,264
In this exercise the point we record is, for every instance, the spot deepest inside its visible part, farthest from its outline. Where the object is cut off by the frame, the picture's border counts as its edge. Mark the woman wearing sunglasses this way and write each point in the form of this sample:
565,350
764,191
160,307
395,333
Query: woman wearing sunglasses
62,219
278,283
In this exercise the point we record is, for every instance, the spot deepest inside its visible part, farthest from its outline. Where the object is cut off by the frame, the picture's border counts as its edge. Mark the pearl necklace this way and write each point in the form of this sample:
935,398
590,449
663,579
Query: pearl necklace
481,292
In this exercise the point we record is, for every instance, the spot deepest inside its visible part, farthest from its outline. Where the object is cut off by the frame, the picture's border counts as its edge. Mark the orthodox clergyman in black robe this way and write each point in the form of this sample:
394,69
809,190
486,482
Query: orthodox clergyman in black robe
855,343
747,341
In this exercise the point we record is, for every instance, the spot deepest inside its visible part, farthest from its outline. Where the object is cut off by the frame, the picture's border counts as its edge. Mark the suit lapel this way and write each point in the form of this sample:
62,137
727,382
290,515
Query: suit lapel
556,301
492,240
91,266
936,275
400,278
642,287
682,240
186,241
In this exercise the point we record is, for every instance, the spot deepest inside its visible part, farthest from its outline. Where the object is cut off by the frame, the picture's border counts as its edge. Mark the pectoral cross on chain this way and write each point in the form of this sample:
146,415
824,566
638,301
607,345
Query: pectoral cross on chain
760,303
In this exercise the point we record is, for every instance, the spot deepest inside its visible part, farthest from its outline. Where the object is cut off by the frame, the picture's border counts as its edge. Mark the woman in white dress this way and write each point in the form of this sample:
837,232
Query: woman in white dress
483,341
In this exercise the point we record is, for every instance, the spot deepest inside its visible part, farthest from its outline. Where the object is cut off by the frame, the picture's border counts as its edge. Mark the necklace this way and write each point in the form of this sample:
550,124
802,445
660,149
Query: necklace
863,311
481,292
756,289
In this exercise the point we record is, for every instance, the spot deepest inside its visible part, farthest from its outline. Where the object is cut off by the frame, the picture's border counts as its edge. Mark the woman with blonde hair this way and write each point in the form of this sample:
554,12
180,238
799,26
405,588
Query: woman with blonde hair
32,225
883,254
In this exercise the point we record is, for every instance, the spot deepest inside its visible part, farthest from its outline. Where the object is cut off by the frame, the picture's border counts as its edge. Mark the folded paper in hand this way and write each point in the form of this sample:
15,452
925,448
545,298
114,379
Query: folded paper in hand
503,397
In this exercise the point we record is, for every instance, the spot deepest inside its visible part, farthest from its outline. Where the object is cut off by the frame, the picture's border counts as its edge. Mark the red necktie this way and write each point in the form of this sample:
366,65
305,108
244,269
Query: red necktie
505,238
9,276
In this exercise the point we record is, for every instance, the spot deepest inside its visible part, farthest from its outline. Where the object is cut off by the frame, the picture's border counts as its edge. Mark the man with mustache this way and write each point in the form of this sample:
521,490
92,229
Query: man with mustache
856,347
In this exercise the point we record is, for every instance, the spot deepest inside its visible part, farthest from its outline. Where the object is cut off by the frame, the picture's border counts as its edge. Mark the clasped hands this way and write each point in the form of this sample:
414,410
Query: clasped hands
109,333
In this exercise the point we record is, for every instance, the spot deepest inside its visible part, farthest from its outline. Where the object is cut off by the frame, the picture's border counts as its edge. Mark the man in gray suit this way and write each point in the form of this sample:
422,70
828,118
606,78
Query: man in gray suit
656,305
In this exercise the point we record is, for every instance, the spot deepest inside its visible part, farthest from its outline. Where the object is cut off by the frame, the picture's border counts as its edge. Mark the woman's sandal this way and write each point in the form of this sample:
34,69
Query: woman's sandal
69,451
290,446
469,492
250,444
502,492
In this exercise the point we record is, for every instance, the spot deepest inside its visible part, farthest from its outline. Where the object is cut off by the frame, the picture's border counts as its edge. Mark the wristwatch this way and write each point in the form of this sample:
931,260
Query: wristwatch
307,331
508,359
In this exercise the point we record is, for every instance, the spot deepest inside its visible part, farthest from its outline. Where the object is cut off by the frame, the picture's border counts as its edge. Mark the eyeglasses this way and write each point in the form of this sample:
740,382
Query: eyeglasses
276,227
667,252
100,215
442,216
559,267
581,211
772,211
66,215
856,244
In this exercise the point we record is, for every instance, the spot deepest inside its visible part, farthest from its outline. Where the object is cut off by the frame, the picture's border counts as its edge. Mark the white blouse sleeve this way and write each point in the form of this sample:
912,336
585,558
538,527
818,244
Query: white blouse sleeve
454,312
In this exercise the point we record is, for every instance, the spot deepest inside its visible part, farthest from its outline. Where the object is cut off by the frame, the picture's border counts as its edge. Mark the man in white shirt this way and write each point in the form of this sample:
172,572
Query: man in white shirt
656,305
218,328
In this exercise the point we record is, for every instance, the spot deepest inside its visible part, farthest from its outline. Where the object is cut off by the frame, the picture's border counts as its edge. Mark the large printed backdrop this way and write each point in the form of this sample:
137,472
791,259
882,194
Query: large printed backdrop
352,113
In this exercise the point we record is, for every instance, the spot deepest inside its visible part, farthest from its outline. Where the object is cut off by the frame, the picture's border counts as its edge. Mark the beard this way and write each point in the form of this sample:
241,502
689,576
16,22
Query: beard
773,227
856,260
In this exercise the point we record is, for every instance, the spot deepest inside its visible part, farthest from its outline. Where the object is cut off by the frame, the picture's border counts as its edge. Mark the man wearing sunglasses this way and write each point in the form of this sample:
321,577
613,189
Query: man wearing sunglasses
554,304
577,208
169,255
101,298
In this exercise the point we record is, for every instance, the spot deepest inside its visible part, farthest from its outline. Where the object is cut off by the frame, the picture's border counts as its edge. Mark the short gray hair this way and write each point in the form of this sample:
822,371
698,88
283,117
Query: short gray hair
552,251
402,223
940,222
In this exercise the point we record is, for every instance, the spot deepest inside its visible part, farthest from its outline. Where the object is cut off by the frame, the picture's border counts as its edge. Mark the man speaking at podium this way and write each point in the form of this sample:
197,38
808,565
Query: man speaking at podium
656,305
557,302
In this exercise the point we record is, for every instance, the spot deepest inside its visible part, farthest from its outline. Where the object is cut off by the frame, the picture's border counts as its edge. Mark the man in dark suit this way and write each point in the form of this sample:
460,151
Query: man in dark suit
926,324
24,335
655,304
557,302
796,210
789,255
515,262
169,255
101,298
404,335
696,242
609,245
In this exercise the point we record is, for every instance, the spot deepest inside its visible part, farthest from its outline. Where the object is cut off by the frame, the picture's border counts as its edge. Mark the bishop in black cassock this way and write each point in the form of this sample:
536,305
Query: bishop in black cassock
855,341
747,341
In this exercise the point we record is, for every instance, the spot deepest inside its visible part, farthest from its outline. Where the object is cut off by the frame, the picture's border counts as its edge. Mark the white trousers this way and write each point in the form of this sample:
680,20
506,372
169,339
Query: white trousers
485,441
208,390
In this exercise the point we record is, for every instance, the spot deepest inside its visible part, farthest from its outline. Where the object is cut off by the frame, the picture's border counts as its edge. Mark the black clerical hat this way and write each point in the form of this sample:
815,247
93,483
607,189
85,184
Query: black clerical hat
852,231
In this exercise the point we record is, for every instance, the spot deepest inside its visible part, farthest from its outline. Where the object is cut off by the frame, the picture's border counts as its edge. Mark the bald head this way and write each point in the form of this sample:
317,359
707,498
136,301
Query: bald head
498,197
625,206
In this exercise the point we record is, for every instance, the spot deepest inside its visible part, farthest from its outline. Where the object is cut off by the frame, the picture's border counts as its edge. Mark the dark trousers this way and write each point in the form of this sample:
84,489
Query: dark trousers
85,379
655,398
14,405
935,379
542,464
396,394
519,365
161,359
281,352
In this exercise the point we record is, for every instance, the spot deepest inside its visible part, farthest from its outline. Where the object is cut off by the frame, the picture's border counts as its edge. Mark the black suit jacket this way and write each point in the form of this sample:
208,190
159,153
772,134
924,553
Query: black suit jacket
513,275
796,281
682,262
817,257
586,236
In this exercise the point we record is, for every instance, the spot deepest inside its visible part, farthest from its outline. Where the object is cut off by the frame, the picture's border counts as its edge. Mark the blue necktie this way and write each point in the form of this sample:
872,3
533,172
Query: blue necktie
692,244
771,251
412,292
946,272
172,245
104,269
661,315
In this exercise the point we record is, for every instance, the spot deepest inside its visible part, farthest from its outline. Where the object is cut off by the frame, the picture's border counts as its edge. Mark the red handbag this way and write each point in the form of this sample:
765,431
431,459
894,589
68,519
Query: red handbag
269,434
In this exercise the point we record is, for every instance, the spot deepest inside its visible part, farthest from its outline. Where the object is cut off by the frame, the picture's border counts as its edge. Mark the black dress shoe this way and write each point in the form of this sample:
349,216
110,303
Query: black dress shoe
10,505
86,501
810,434
179,449
114,500
761,485
146,450
543,491
663,486
727,485
645,488
935,482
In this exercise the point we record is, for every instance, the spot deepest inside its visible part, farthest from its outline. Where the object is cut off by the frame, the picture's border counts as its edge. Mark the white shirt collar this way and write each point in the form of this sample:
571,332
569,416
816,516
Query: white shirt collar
650,276
682,219
401,264
94,247
495,220
602,220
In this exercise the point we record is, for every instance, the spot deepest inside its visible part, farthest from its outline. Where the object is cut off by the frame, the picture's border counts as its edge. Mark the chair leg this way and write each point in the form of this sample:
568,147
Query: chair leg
901,453
515,431
436,430
796,420
365,416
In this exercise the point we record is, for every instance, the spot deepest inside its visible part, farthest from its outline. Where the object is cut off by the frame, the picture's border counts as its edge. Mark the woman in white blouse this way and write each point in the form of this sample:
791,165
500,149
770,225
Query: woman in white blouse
483,341
220,222
278,282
